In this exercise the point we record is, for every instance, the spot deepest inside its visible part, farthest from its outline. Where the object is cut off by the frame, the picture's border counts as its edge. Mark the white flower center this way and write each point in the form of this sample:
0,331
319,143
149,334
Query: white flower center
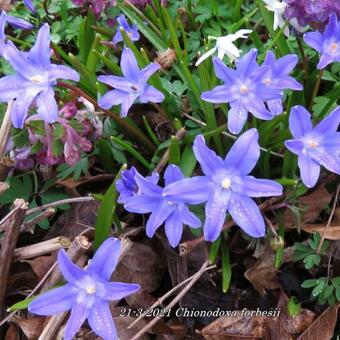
244,89
90,289
334,46
312,143
267,81
226,183
37,79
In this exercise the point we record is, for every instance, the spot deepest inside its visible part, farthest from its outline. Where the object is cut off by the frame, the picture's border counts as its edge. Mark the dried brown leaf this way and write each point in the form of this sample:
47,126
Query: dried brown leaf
323,326
235,327
286,326
12,333
41,265
141,265
124,333
263,274
280,327
74,221
332,233
32,328
70,183
312,204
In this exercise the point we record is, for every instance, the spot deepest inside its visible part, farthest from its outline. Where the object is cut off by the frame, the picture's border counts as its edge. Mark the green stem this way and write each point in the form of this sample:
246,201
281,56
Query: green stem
132,151
316,88
121,122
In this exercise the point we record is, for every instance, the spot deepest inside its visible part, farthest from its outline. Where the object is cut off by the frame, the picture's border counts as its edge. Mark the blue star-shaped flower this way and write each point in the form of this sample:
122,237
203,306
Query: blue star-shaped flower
34,79
226,186
13,21
243,90
127,185
278,77
326,43
87,293
173,212
133,86
131,31
314,146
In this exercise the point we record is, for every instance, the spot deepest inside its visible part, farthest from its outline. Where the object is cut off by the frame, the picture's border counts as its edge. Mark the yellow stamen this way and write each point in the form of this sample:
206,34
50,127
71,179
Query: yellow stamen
226,183
313,144
334,46
243,89
37,79
267,81
91,289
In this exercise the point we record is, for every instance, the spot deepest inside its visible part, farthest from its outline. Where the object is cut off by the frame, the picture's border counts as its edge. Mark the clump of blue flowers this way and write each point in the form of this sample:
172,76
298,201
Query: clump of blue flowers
151,198
225,186
250,87
87,293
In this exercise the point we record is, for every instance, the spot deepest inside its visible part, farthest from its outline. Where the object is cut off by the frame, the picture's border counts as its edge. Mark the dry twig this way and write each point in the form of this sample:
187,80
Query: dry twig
5,128
165,296
41,248
9,242
61,202
329,219
193,280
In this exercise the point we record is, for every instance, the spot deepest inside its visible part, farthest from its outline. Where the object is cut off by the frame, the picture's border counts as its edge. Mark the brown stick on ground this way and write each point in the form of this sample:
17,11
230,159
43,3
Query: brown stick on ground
9,243
5,128
174,301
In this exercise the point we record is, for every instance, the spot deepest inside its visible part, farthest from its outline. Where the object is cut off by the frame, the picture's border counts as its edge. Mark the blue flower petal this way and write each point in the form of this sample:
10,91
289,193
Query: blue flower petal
207,158
158,217
299,121
246,215
40,53
174,228
215,214
187,217
47,106
79,313
105,259
115,291
142,204
330,123
129,66
172,174
193,190
245,152
254,187
70,271
101,322
309,170
55,301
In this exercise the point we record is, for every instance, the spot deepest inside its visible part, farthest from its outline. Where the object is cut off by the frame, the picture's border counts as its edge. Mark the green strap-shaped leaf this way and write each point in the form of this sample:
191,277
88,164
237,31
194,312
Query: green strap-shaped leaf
106,211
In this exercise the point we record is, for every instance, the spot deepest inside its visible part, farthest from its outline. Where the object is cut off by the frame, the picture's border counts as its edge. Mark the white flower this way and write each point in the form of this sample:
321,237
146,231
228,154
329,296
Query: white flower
224,46
278,8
